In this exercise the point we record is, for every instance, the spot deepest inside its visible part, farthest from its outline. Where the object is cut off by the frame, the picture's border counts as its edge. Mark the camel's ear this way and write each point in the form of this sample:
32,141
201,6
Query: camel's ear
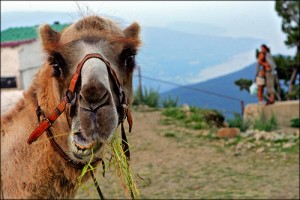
49,37
132,31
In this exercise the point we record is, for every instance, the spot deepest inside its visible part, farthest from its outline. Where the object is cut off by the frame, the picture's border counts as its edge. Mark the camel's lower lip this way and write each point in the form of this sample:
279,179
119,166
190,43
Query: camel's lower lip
82,148
82,153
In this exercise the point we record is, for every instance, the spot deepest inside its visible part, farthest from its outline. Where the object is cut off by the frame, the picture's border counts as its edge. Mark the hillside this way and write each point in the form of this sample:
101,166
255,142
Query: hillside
177,56
223,85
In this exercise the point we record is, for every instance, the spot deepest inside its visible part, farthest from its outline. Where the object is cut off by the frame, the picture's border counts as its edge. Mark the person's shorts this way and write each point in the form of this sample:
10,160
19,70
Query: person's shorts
260,80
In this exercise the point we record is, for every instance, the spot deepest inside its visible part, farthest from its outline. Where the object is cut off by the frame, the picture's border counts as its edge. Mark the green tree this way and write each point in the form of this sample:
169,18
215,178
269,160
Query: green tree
290,13
243,84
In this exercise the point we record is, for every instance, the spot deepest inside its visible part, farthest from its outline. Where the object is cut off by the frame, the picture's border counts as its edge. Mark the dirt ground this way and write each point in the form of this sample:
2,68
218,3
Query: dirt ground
187,166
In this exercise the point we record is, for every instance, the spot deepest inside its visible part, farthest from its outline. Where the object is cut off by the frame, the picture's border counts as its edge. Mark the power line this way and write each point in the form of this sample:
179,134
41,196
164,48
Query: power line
192,88
195,89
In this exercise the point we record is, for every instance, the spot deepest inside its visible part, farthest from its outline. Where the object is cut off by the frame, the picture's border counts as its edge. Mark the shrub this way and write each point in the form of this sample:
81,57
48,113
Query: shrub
295,123
174,113
150,97
214,118
198,126
138,99
169,102
262,124
238,122
196,118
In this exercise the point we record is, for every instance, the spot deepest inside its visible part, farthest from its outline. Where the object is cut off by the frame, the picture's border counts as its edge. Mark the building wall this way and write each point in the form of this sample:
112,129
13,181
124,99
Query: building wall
10,63
31,58
22,62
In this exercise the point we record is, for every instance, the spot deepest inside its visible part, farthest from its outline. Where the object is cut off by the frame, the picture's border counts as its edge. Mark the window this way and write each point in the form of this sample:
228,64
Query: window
8,82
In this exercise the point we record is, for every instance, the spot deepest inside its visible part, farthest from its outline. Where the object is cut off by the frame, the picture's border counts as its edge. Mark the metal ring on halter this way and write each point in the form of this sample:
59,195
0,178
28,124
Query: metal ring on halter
71,99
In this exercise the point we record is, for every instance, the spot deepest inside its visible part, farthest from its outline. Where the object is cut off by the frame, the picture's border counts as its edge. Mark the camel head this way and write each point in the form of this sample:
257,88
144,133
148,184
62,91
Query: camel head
93,117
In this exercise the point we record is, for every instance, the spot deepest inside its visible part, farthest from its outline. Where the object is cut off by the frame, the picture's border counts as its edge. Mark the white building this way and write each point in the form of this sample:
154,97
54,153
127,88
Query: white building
21,56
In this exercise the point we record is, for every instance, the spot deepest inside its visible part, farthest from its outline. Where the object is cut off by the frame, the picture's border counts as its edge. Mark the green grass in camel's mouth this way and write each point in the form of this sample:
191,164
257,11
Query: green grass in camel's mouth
120,165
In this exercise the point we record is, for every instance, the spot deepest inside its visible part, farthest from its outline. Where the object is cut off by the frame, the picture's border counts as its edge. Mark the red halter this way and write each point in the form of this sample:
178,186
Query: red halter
122,107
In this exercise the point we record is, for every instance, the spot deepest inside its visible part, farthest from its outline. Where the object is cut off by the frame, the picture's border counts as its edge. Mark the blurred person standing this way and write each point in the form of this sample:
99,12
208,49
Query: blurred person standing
265,71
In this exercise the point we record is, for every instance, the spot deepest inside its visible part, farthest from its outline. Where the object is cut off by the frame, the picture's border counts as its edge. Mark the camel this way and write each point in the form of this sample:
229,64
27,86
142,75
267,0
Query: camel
34,169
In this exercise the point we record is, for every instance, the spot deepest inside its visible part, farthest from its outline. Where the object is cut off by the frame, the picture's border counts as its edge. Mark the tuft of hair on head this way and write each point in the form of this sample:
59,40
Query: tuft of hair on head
83,9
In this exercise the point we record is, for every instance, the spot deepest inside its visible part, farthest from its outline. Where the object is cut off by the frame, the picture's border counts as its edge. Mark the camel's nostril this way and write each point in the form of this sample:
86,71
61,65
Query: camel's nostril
93,91
94,105
103,101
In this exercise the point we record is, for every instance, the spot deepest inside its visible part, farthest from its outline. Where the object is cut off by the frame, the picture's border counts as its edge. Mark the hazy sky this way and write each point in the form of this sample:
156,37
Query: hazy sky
239,19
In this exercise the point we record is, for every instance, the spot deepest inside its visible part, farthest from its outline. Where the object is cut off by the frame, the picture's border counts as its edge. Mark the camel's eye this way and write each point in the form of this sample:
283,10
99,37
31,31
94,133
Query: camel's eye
56,70
58,63
130,60
127,58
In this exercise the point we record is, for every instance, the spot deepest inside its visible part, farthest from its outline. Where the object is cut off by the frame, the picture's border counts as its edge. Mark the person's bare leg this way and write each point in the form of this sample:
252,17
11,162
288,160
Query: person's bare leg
271,98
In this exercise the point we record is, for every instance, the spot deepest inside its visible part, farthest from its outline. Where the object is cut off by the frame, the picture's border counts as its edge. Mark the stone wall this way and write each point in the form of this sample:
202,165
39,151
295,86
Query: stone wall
284,111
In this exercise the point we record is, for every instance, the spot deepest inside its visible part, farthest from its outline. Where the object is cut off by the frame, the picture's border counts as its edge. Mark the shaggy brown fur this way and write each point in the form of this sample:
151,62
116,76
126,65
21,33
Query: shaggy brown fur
36,170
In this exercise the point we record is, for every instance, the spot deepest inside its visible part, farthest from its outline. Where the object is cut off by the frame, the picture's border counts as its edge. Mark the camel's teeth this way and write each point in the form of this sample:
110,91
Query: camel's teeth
74,148
86,152
80,152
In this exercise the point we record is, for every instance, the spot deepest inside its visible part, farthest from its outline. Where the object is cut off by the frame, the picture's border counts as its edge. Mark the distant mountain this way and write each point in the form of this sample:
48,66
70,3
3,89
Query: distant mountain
178,56
223,85
197,28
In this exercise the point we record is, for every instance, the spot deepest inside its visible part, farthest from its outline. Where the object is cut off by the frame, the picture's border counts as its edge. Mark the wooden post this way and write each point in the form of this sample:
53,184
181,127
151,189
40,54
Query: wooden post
242,105
140,82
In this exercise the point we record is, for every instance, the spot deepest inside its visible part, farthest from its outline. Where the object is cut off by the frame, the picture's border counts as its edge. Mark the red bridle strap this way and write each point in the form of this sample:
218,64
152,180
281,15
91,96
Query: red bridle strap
47,122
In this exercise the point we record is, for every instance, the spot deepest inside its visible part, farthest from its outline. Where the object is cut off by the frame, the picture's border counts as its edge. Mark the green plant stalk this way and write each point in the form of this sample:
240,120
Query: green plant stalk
262,124
88,167
238,122
123,169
